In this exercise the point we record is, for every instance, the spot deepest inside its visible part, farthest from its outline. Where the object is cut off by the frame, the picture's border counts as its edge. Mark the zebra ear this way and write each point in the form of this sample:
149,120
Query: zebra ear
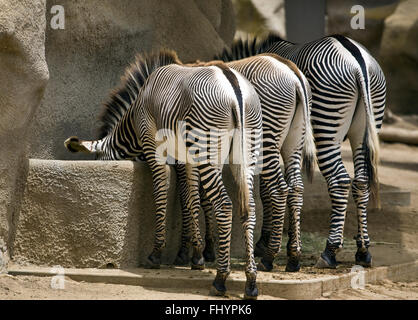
73,144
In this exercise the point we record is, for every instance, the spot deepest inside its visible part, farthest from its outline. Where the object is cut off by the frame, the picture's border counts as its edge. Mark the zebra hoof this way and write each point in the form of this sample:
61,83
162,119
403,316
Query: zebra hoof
251,290
261,246
153,262
216,291
182,257
265,265
326,262
209,251
218,285
198,263
293,264
363,257
259,250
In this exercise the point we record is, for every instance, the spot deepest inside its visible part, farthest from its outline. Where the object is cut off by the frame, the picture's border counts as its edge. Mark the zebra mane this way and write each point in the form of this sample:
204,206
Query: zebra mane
135,75
241,49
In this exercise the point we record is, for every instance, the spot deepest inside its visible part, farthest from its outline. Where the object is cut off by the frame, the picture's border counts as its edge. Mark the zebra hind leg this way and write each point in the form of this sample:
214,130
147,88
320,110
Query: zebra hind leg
212,184
263,242
193,202
278,191
209,251
360,185
248,224
361,192
295,202
183,255
338,182
190,204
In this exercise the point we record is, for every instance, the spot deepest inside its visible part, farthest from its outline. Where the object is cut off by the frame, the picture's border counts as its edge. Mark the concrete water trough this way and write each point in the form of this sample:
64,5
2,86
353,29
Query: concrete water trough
93,214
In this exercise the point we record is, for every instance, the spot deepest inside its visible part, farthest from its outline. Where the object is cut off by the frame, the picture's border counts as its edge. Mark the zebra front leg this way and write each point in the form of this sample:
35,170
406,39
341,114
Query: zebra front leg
262,243
296,146
338,182
209,251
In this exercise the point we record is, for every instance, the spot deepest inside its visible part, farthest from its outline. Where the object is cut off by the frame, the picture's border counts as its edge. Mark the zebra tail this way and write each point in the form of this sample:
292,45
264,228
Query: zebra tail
240,172
309,149
239,143
243,188
240,168
370,141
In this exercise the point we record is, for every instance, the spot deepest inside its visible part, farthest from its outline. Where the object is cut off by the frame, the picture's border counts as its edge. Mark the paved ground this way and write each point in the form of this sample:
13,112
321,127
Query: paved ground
29,287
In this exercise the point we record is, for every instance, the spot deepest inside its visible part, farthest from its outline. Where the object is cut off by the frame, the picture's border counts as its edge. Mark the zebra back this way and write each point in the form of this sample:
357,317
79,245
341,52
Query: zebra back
241,49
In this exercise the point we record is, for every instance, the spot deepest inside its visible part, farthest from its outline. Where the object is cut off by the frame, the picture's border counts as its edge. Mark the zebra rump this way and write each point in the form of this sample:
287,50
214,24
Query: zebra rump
243,49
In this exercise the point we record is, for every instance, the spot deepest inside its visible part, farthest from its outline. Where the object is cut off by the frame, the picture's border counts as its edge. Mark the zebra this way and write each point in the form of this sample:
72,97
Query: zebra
348,101
164,110
285,99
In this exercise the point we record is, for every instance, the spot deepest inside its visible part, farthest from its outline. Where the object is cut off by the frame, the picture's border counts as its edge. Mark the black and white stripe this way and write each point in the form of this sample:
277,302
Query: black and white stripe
285,99
161,96
348,100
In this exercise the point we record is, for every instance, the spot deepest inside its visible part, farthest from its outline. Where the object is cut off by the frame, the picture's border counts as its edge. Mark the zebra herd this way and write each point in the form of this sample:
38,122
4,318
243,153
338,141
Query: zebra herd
254,103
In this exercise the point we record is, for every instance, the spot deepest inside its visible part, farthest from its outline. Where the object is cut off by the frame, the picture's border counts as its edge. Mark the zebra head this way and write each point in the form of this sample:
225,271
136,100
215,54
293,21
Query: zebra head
97,147
104,149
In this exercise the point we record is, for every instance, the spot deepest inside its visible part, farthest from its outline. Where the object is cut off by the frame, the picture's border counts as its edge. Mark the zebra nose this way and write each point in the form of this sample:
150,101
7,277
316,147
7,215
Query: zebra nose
71,142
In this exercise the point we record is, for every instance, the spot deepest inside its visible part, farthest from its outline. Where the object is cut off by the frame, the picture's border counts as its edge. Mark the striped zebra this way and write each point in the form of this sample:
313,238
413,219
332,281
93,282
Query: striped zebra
348,101
285,99
165,112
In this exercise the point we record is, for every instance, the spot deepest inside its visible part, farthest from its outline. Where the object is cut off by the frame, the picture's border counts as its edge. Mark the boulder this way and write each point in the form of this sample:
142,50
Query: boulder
100,39
23,77
399,57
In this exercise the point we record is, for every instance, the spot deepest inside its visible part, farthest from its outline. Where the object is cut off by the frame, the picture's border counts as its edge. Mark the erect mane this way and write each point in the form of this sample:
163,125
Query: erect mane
135,75
241,49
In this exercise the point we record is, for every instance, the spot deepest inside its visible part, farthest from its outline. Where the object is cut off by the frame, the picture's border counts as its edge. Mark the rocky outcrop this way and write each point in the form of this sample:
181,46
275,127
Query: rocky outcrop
100,39
399,57
23,77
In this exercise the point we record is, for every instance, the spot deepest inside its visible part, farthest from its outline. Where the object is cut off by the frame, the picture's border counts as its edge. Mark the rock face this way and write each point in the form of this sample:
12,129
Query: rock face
100,39
23,77
399,57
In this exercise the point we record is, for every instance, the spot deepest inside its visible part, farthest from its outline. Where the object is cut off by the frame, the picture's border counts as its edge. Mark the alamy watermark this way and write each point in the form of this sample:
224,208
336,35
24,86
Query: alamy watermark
358,280
194,146
358,20
58,18
58,281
